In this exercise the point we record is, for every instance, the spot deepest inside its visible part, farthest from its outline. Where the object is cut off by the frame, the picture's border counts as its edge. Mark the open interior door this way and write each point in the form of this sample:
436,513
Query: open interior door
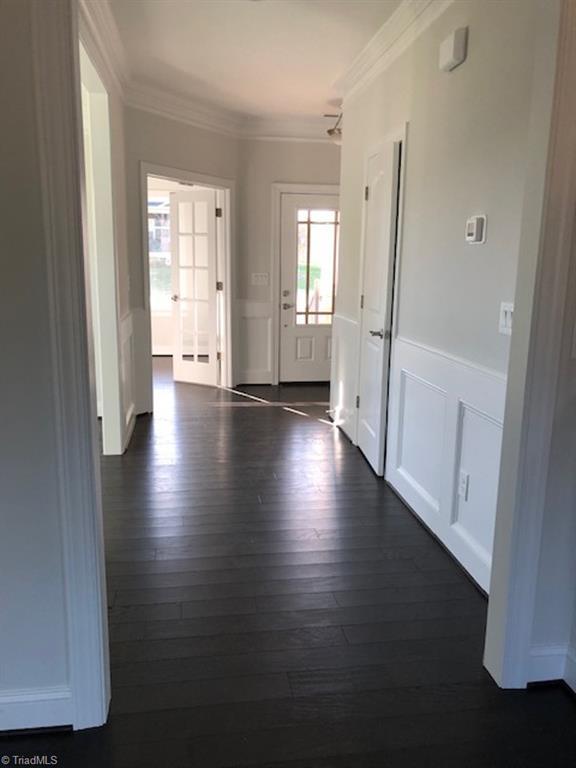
194,307
379,250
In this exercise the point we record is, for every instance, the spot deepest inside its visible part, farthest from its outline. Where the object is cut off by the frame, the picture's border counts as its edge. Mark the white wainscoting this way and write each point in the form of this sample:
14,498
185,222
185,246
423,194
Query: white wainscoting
343,378
127,369
255,342
445,418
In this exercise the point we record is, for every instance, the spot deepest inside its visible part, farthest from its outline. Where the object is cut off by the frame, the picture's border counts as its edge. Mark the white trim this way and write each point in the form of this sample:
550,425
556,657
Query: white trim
453,358
405,25
99,34
547,662
36,708
570,668
279,189
228,187
546,244
56,72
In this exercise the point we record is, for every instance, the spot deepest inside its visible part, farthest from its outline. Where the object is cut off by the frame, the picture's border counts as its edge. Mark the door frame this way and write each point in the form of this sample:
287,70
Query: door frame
279,189
398,136
101,260
225,229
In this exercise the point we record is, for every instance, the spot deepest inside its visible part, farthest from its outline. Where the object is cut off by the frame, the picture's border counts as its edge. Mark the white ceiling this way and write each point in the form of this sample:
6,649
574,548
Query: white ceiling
264,59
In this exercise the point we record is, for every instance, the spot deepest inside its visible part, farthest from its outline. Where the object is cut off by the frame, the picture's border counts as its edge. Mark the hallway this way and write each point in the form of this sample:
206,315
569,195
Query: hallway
273,603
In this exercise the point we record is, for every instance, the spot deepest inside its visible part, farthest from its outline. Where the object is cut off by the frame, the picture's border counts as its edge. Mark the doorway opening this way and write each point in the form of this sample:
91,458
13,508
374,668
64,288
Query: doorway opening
100,267
189,275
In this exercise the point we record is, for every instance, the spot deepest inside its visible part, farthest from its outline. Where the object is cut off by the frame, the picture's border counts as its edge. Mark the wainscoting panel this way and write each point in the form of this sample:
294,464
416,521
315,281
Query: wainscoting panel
127,368
443,452
255,342
344,373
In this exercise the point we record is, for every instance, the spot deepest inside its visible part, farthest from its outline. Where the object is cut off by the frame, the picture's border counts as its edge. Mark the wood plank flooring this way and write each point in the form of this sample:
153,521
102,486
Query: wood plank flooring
272,603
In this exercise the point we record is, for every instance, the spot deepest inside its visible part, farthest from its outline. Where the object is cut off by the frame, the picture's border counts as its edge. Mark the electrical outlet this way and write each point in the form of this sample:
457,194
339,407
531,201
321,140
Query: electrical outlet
506,318
463,485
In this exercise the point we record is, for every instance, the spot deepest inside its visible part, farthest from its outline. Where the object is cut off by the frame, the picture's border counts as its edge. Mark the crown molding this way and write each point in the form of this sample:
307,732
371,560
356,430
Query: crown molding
101,39
405,25
183,109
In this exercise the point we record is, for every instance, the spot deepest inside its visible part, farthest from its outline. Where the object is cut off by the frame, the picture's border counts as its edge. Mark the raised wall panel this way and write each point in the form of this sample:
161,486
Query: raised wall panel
445,414
479,441
421,436
254,339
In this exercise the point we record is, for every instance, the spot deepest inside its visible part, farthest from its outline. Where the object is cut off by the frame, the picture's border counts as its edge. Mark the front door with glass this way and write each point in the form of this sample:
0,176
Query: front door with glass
308,254
193,225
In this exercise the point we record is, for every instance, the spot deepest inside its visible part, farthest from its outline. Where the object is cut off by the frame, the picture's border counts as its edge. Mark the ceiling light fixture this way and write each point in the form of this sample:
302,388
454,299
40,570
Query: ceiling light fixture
335,133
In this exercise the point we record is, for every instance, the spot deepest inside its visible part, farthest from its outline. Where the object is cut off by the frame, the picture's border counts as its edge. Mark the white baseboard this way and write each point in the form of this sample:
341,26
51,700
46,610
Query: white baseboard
36,708
570,670
547,662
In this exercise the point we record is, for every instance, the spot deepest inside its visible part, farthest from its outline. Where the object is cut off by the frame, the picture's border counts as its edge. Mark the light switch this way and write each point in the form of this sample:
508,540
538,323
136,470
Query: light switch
506,317
260,278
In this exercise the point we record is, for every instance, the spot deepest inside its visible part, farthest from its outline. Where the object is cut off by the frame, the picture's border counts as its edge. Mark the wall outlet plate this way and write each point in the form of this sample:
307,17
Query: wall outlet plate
463,484
506,317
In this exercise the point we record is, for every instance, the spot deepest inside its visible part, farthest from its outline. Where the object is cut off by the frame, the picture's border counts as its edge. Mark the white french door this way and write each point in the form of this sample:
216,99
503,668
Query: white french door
309,231
194,307
379,250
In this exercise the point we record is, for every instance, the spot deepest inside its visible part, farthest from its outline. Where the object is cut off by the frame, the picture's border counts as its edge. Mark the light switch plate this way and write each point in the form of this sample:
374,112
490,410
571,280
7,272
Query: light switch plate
260,278
506,318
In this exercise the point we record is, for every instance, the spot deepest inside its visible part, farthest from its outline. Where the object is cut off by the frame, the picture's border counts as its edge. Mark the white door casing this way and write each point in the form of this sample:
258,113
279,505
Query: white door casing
305,345
378,255
193,244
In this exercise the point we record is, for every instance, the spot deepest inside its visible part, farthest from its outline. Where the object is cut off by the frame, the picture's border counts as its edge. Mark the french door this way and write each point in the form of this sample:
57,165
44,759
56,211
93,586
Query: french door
194,307
309,231
379,250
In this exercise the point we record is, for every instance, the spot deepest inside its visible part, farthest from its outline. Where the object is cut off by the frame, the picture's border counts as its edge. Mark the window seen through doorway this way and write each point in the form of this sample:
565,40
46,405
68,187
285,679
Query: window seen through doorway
318,232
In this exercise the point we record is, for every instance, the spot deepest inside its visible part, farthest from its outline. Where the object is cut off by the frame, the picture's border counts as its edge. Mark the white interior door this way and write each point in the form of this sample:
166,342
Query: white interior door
194,308
379,247
309,231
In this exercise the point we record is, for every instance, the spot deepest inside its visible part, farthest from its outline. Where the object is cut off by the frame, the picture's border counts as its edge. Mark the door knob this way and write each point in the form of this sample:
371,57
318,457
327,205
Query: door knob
174,297
380,334
287,306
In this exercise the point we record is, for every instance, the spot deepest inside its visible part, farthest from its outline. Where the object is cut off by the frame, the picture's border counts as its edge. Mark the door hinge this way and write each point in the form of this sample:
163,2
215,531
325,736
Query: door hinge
218,355
357,401
219,285
362,301
218,213
366,193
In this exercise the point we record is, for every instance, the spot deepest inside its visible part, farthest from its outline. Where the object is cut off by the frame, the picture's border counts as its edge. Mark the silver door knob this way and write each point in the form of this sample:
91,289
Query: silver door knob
380,334
287,306
175,297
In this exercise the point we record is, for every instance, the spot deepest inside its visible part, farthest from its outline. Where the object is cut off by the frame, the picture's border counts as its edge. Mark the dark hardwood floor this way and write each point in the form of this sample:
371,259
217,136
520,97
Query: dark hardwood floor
272,603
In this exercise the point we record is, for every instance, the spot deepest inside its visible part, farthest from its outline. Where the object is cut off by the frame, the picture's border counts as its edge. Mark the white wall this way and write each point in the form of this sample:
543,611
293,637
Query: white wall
53,643
466,154
262,163
254,166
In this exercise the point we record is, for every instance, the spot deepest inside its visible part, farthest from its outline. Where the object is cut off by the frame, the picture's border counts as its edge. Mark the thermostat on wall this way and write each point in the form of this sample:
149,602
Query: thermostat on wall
476,230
